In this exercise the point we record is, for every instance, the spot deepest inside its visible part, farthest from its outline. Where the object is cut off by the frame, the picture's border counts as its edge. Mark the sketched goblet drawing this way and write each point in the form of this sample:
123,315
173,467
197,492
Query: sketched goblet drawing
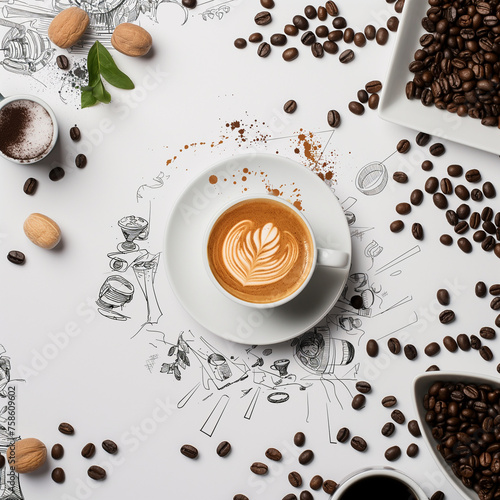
132,228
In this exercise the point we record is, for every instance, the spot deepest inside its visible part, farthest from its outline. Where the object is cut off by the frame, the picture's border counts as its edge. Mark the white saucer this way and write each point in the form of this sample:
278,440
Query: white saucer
183,248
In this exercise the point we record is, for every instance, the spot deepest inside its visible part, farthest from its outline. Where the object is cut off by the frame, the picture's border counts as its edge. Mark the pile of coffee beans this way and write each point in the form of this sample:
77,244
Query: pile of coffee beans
457,67
464,419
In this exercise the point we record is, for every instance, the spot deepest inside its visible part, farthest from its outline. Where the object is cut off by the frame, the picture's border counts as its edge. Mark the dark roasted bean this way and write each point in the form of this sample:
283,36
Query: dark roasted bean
66,428
363,387
16,257
410,351
358,401
259,468
316,482
403,146
57,451
432,349
414,428
273,454
446,239
333,118
487,333
306,495
370,32
423,139
463,342
400,177
450,343
431,185
416,197
300,22
97,473
392,453
440,200
88,451
343,435
358,443
264,49
290,54
189,451
476,195
486,353
289,29
223,448
437,149
263,18
306,457
495,304
443,296
240,43
257,37
464,245
389,401
394,345
372,348
398,416
412,450
290,106
446,316
382,36
74,133
427,165
403,208
489,190
110,446
473,175
388,429
455,170
329,486
299,439
278,39
346,57
397,226
58,475
56,174
30,186
417,231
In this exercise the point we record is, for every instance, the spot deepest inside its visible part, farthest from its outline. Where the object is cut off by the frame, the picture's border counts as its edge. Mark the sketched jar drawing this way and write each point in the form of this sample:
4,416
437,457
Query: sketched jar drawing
319,353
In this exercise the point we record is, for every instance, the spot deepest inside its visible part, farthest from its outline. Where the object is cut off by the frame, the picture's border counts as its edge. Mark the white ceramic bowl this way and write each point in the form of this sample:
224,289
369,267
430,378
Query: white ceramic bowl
421,385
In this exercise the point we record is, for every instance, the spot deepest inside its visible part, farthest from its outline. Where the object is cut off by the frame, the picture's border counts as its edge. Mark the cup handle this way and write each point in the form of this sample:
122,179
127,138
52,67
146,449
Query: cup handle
332,258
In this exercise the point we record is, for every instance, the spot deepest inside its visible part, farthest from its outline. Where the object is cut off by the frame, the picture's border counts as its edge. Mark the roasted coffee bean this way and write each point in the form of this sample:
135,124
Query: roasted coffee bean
370,32
267,4
398,416
437,149
240,43
299,439
74,133
335,35
489,227
373,101
306,457
300,22
359,39
358,443
317,50
487,333
462,227
447,316
463,342
427,165
414,428
443,296
438,495
463,211
343,435
489,190
189,451
290,106
462,192
58,475
403,146
308,38
497,321
417,231
322,31
400,177
346,57
479,236
388,429
290,54
358,401
339,23
464,245
473,175
446,239
475,220
330,47
363,387
290,30
333,118
263,18
432,368
480,289
264,49
452,217
487,214
259,468
412,450
382,36
432,349
476,195
372,348
189,4
431,185
56,174
422,139
81,160
446,186
450,343
224,448
306,495
394,345
16,257
494,289
440,200
110,446
475,342
362,96
389,401
316,482
97,473
57,451
88,451
486,353
455,170
397,226
392,453
322,13
410,351
66,428
310,12
373,87
392,23
416,197
329,486
403,208
348,35
273,454
290,496
257,37
62,62
278,39
30,186
495,304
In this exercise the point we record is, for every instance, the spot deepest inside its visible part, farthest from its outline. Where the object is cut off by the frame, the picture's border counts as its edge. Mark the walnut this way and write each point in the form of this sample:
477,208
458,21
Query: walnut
131,40
68,27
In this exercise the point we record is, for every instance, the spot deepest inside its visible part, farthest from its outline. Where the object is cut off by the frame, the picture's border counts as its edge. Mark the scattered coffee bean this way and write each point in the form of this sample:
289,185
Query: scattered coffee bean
257,37
432,349
110,446
462,227
316,482
358,443
494,289
343,435
190,4
322,31
412,450
388,429
329,486
267,4
81,161
290,106
372,348
489,190
264,49
274,454
497,321
440,200
400,177
455,170
306,457
392,23
389,401
333,118
66,428
464,245
392,453
473,175
416,197
443,296
300,22
475,342
475,220
487,333
480,289
446,239
62,62
427,165
310,12
417,231
476,195
363,387
295,479
346,57
463,211
308,38
370,32
463,342
299,439
306,495
431,185
348,35
489,227
88,451
290,54
438,495
223,449
422,139
263,18
358,401
410,351
397,226
322,13
403,146
240,43
330,47
446,187
259,468
339,23
56,174
462,192
374,87
403,208
432,368
447,316
414,428
57,451
450,343
335,35
16,257
74,133
495,304
382,36
30,186
359,39
97,473
58,475
487,214
290,496
437,149
497,250
373,101
486,353
189,451
398,416
394,345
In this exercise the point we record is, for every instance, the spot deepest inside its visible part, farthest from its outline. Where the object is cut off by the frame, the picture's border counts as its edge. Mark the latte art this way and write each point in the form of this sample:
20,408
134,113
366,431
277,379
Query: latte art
259,256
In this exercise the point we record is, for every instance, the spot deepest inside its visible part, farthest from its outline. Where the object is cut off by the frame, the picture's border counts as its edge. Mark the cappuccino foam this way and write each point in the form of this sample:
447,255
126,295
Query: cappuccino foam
26,130
260,251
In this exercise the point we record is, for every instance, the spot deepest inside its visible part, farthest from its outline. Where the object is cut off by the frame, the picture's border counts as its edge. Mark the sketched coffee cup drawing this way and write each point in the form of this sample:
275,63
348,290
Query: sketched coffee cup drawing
281,366
28,129
260,251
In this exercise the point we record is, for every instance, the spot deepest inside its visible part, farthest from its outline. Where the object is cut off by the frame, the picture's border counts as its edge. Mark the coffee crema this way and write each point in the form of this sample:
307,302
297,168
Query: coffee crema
260,251
26,130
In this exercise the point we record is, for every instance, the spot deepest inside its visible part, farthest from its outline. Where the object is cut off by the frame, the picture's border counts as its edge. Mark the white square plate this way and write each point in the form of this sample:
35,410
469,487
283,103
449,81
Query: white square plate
396,108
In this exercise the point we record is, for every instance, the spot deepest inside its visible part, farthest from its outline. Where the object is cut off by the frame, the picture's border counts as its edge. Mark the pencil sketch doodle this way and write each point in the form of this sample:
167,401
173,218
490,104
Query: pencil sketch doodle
373,250
372,178
181,351
216,12
356,231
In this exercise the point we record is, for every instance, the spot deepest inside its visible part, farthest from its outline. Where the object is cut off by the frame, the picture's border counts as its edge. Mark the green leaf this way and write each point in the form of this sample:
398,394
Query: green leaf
93,66
100,93
88,98
109,70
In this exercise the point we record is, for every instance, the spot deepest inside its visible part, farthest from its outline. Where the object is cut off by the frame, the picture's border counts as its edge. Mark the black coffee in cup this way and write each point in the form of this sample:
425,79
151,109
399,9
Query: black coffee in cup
384,487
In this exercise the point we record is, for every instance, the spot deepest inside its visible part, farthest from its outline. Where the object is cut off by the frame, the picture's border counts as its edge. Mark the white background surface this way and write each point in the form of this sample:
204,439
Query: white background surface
97,379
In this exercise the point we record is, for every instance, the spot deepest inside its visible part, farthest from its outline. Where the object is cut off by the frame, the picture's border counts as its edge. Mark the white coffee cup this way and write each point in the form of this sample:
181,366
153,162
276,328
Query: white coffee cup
4,101
321,256
378,472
